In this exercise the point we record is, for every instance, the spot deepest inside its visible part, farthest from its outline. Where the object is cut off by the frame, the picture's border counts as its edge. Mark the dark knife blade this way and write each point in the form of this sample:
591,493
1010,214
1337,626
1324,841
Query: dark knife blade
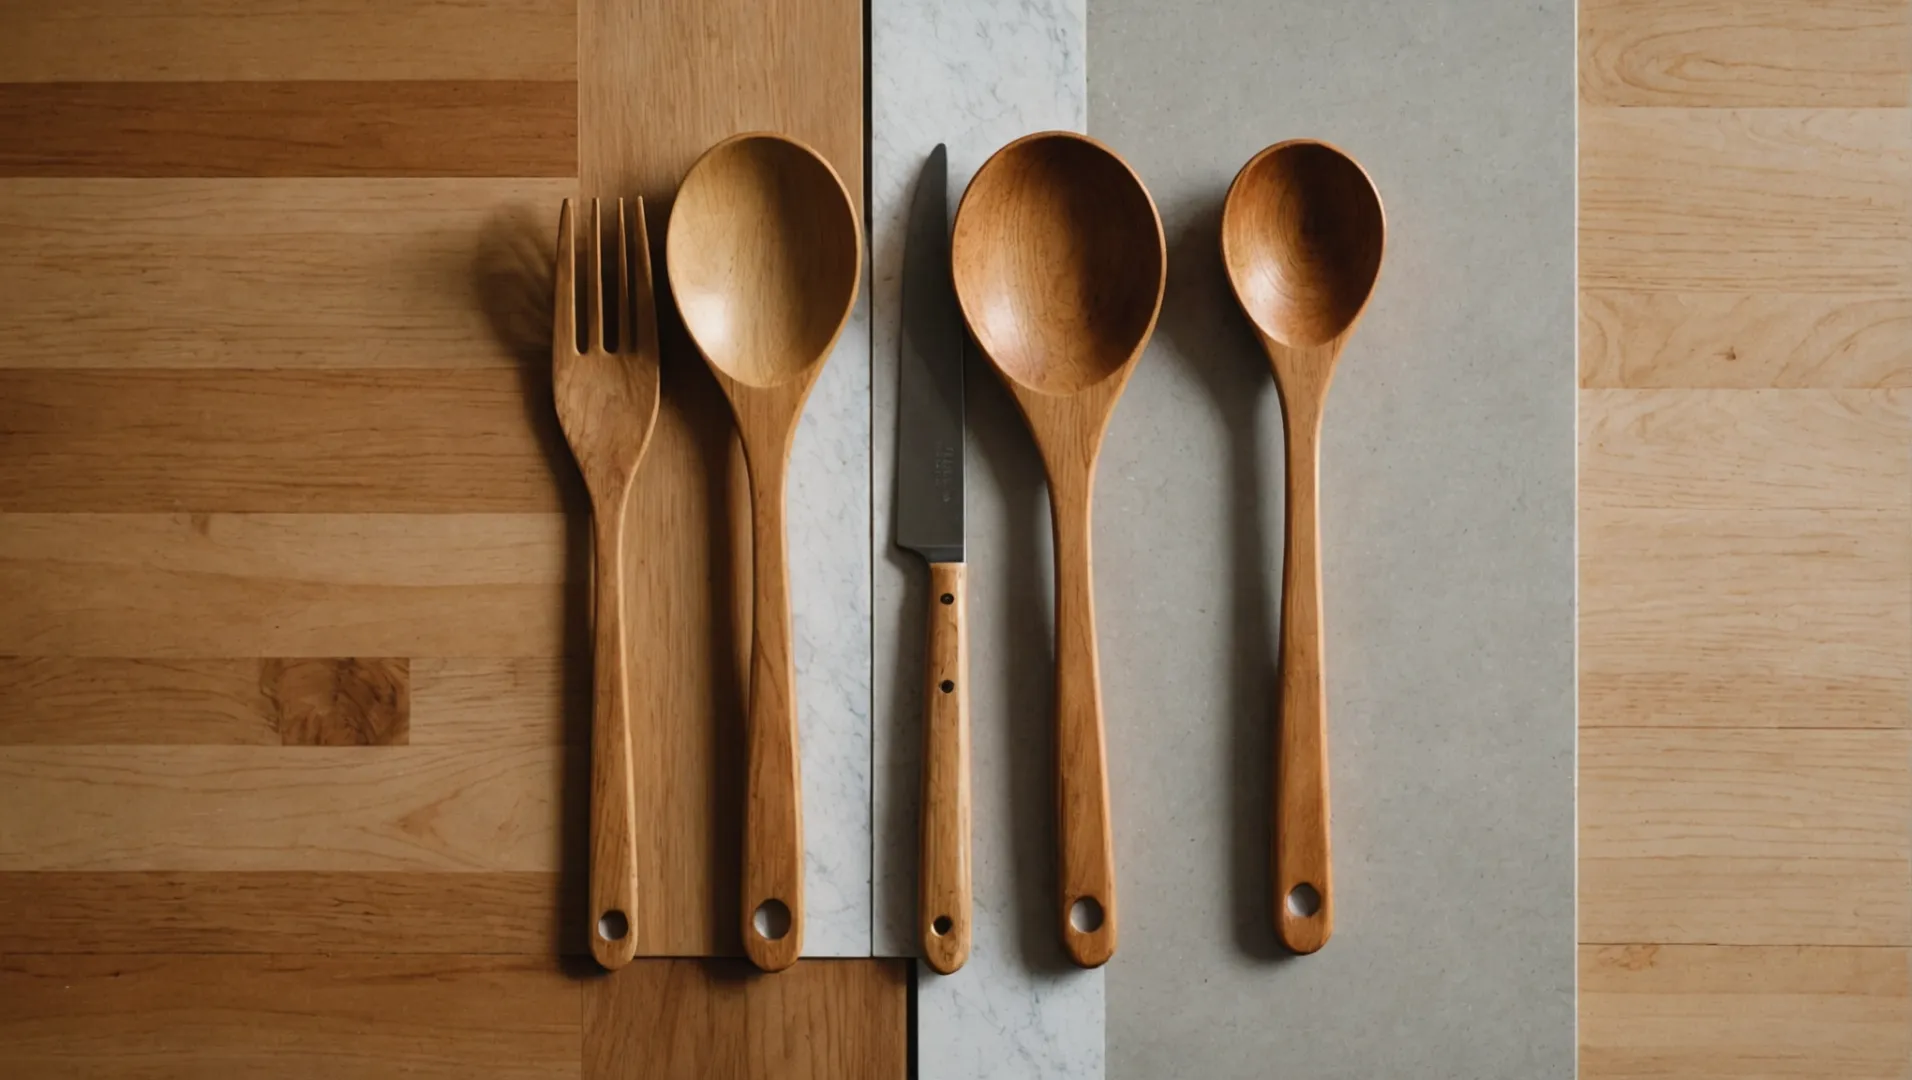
929,415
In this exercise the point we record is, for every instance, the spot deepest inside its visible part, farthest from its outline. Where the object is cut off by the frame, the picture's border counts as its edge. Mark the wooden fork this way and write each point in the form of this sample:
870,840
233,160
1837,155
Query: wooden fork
607,405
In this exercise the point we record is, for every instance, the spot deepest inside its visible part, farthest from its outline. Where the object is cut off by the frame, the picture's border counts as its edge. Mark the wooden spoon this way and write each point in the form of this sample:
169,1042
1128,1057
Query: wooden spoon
1059,266
607,405
1302,236
763,254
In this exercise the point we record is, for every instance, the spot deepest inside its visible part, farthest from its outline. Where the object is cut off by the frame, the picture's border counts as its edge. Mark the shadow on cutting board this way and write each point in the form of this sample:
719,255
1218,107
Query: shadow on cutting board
514,284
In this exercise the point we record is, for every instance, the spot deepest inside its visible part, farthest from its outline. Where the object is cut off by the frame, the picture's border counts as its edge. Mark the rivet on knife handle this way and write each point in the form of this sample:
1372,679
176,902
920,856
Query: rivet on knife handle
943,903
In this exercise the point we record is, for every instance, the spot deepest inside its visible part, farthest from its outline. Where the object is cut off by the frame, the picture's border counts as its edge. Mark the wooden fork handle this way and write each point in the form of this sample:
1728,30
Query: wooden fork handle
613,888
773,806
943,896
1084,837
1304,878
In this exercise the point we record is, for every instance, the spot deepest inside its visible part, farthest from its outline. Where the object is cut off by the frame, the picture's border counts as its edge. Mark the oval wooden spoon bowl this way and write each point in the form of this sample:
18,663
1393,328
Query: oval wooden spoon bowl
1302,237
763,254
1059,262
1059,265
1302,233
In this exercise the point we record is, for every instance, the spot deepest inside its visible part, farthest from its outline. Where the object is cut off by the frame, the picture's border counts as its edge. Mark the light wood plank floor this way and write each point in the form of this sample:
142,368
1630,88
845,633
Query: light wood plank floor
1746,539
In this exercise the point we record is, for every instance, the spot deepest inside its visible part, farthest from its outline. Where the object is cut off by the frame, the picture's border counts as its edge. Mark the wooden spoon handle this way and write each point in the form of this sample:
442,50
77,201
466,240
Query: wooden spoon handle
1086,843
1304,879
943,896
773,807
613,915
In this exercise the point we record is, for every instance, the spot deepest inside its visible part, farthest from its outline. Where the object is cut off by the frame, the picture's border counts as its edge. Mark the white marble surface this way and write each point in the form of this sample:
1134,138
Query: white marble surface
829,523
974,76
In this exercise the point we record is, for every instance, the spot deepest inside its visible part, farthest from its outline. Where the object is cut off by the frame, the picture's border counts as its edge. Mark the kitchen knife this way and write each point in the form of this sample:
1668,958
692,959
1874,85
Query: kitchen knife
929,521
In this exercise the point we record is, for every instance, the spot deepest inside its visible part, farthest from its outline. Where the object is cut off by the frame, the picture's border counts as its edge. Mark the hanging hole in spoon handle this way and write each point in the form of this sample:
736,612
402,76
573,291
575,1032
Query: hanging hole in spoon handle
771,920
770,935
613,925
1304,919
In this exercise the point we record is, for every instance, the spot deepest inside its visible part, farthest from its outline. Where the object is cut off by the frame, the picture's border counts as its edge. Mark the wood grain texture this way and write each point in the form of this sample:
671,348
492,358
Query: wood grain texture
1746,618
1702,1013
1745,450
345,207
1747,811
59,701
297,441
1742,560
209,129
354,701
1641,340
1746,52
518,913
488,701
723,67
658,85
194,586
295,1016
277,273
237,40
1742,902
718,1020
1807,201
944,902
1059,265
271,808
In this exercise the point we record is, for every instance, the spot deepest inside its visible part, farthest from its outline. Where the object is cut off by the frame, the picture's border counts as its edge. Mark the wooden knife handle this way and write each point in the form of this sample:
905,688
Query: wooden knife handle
1304,878
613,915
1084,837
773,803
943,895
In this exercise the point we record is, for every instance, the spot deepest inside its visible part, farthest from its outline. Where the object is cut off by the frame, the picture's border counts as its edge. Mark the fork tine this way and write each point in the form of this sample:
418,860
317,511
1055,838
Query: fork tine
594,288
564,304
625,329
645,338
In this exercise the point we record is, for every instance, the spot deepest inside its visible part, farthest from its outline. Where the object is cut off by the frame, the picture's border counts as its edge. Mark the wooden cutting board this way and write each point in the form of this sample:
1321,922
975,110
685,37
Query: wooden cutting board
659,83
292,657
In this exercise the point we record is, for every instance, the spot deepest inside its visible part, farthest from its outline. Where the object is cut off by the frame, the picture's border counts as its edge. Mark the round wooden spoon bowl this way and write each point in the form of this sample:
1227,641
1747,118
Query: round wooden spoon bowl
1058,260
1302,235
763,256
